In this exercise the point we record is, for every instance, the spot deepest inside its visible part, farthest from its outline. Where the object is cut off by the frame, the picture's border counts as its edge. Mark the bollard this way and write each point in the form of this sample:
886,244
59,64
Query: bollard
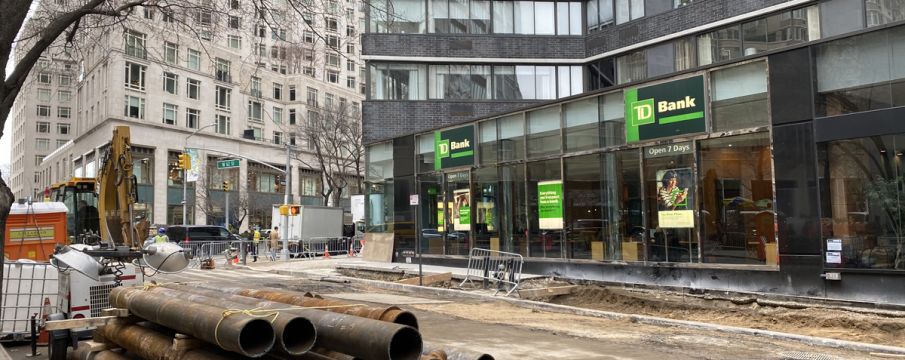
242,252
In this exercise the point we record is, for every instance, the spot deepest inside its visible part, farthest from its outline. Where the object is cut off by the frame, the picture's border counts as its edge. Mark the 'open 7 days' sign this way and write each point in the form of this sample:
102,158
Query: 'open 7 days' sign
664,110
454,147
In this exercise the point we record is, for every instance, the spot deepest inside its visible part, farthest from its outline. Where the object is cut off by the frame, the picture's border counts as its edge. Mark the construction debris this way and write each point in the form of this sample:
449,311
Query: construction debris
427,280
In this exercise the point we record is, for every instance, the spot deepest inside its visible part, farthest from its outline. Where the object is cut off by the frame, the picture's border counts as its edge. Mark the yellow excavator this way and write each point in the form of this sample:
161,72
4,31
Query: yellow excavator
101,208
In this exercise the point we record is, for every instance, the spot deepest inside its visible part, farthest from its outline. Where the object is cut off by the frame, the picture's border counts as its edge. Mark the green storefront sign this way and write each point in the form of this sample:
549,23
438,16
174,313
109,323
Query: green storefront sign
454,147
664,110
549,204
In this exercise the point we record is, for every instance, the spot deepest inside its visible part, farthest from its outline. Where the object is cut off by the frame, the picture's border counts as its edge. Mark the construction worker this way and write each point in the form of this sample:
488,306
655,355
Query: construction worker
161,236
256,240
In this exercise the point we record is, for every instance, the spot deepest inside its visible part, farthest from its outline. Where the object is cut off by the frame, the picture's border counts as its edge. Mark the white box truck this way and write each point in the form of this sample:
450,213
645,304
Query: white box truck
314,230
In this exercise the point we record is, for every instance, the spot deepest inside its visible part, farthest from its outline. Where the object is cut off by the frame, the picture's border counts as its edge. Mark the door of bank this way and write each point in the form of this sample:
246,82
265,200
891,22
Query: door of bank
446,212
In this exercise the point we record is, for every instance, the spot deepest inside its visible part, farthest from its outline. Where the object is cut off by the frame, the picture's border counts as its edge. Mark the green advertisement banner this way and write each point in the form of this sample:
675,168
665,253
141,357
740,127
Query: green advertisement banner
454,147
664,110
549,204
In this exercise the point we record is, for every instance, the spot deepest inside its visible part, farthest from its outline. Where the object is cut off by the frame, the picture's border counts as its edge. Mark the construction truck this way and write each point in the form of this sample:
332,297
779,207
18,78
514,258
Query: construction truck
106,250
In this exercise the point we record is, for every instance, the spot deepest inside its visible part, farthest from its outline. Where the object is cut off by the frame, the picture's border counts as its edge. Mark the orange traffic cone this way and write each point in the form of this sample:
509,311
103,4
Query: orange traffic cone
43,336
326,253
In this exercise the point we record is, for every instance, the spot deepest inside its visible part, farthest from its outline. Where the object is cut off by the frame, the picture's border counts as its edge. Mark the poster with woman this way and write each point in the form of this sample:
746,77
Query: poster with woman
674,198
461,210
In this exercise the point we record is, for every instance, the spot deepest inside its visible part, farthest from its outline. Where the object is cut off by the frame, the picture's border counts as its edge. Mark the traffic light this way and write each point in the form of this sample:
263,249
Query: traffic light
185,161
294,210
226,186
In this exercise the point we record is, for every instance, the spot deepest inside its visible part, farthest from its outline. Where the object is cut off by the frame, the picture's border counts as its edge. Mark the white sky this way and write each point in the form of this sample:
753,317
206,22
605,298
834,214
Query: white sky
6,144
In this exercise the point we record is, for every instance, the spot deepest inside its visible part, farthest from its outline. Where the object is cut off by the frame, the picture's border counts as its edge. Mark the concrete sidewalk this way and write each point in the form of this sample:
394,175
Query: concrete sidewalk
327,266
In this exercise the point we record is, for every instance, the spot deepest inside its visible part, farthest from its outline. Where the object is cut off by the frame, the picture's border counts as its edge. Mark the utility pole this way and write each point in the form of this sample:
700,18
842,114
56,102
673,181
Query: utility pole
284,228
226,207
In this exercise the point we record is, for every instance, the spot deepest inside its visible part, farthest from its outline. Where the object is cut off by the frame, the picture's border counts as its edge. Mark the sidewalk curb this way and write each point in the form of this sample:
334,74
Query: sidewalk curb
641,319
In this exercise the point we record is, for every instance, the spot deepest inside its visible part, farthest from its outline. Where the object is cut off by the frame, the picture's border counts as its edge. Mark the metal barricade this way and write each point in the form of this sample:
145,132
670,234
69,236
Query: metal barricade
25,287
319,246
203,250
502,268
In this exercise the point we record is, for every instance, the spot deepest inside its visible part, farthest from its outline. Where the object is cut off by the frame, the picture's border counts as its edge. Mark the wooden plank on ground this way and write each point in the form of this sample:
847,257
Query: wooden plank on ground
550,291
115,312
428,279
78,323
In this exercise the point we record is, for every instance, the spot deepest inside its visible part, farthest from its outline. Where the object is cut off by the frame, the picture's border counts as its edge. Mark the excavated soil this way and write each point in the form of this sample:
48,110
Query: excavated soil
820,320
877,327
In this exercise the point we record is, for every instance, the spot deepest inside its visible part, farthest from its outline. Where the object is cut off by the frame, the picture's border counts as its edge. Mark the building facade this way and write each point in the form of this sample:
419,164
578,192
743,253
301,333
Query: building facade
242,83
727,145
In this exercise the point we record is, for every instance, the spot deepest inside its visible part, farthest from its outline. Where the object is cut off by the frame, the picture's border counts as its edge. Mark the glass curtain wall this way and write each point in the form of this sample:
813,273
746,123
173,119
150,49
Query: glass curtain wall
512,137
543,132
583,205
432,215
513,206
487,142
736,190
739,97
669,187
380,206
581,125
398,81
486,209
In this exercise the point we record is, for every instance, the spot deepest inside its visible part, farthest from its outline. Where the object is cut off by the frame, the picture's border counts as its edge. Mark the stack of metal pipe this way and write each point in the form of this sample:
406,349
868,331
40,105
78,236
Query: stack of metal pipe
224,325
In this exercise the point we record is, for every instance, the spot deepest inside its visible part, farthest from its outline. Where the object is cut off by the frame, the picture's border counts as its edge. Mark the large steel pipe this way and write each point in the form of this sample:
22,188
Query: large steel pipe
456,353
149,344
295,333
356,336
389,314
238,332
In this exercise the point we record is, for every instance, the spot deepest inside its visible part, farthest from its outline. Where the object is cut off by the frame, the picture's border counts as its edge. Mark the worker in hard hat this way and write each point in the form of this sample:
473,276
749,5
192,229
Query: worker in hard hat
161,236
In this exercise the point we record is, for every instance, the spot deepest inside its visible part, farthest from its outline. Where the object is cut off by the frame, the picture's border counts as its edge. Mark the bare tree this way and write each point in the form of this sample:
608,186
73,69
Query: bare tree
211,202
4,172
332,136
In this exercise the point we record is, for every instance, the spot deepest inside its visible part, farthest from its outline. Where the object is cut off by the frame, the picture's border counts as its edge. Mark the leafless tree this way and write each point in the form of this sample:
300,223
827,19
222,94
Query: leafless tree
4,172
211,201
332,136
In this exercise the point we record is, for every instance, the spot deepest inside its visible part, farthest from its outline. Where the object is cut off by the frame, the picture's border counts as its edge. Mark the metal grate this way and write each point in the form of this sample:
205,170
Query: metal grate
803,355
100,298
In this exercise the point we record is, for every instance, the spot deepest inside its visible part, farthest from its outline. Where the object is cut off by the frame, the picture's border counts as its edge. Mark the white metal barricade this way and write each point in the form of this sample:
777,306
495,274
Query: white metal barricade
502,268
25,286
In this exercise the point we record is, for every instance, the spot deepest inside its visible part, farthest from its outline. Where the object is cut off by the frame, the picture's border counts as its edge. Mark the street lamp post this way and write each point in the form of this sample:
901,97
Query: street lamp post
185,186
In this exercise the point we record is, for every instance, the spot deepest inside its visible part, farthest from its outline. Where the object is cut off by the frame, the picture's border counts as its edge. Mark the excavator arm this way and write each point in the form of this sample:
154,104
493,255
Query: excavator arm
117,192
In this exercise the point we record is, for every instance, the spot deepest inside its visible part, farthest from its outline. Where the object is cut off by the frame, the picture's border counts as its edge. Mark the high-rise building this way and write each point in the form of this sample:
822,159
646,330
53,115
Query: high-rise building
735,145
231,82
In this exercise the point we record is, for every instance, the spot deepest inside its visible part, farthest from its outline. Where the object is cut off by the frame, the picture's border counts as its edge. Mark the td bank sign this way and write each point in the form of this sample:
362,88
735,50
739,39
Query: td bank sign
454,147
664,110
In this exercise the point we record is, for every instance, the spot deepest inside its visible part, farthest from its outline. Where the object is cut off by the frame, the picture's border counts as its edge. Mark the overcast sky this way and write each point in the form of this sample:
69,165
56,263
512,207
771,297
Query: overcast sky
6,146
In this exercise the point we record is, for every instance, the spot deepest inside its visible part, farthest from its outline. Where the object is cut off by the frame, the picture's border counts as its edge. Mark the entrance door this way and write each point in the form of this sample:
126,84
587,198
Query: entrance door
459,213
432,217
670,190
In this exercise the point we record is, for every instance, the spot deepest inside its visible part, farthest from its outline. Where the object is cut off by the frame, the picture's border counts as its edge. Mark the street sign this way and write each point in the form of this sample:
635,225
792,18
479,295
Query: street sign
228,164
413,200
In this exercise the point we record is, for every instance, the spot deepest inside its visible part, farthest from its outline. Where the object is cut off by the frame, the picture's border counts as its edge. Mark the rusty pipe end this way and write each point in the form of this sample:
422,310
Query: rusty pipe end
405,344
400,317
256,338
297,335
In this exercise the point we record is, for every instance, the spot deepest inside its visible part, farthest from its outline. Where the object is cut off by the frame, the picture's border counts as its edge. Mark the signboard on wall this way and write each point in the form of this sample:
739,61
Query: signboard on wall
664,110
454,147
549,204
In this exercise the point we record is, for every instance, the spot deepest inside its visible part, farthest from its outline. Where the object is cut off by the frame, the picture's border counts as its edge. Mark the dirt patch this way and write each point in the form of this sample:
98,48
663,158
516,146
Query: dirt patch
389,276
886,328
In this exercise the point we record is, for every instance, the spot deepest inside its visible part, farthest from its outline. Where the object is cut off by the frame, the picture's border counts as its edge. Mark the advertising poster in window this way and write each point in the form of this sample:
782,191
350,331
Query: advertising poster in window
461,211
674,202
549,205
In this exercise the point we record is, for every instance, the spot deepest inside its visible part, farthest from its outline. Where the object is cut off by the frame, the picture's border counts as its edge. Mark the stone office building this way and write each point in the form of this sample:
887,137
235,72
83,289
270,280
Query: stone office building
750,146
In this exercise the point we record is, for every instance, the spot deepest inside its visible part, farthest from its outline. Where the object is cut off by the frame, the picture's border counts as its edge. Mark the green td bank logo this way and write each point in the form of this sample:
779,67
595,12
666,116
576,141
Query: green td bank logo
443,149
665,110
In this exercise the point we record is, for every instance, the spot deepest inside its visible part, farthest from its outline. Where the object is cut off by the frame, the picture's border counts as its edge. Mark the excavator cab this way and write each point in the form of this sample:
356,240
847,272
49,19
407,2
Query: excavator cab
80,198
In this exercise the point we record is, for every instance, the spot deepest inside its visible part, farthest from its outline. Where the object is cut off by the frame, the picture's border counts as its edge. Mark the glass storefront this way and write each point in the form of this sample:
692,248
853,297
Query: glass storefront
679,171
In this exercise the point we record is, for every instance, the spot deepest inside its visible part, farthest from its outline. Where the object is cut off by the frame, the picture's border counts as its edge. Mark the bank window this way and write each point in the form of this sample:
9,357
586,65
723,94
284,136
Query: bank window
863,212
425,153
545,236
512,137
581,125
739,97
543,132
380,161
459,82
720,45
398,82
737,216
487,142
861,73
631,67
612,110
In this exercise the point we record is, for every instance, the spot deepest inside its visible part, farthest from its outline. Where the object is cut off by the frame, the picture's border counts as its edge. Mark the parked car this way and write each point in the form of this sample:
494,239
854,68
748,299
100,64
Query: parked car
181,233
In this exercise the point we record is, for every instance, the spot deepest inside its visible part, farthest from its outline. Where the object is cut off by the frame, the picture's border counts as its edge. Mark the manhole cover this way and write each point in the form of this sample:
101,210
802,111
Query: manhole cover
802,355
